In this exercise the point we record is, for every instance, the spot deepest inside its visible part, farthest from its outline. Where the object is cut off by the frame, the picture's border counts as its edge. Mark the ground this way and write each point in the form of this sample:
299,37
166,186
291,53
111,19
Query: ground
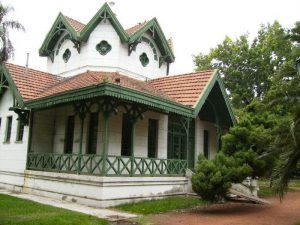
285,213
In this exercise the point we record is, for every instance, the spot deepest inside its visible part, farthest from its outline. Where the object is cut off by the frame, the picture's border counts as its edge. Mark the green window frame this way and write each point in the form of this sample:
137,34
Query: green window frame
8,129
177,140
93,133
20,131
126,144
206,143
152,138
103,47
69,135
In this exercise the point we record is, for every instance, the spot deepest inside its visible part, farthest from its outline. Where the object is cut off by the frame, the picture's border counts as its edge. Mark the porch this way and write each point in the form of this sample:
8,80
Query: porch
106,137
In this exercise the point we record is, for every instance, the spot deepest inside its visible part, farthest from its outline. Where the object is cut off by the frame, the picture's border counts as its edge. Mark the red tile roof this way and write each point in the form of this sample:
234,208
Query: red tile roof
32,82
131,31
185,88
78,26
90,78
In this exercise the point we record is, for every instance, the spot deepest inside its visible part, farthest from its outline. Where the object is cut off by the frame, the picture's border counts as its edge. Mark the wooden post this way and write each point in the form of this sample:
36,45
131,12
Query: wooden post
105,137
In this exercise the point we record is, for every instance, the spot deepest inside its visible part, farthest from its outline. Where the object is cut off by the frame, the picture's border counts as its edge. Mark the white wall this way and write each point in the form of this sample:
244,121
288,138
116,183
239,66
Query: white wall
200,127
13,154
115,60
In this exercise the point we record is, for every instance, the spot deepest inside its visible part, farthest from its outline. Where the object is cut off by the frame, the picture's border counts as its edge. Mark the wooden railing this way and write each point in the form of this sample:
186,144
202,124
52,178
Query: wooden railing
105,166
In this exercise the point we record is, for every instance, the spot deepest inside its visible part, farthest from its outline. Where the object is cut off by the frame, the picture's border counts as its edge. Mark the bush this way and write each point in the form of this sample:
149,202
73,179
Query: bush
213,178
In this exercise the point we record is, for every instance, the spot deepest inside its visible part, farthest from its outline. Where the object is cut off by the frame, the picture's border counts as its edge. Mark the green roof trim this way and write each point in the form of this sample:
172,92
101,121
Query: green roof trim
12,86
112,90
103,13
215,79
159,38
60,25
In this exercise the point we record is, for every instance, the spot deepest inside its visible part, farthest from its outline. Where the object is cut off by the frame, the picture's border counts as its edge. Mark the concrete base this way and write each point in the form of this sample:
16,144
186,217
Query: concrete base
94,190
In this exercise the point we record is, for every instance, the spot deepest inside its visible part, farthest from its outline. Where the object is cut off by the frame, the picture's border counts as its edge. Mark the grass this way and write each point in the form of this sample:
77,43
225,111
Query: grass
266,191
15,211
160,205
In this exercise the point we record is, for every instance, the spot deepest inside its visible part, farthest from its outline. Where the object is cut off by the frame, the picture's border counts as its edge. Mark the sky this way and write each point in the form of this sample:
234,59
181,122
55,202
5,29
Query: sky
194,25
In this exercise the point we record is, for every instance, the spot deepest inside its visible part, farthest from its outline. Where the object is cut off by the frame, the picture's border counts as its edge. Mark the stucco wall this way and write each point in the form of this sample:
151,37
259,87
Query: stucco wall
199,132
12,154
115,60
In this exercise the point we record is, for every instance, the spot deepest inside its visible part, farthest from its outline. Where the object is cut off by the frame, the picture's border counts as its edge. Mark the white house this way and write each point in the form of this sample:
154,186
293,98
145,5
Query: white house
106,124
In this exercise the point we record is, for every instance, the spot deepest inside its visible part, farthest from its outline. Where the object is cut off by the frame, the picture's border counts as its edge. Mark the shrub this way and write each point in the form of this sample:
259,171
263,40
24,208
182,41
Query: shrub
213,178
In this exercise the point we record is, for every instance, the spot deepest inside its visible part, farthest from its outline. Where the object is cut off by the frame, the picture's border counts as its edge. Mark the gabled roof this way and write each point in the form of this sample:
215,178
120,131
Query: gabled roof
154,28
91,78
183,94
62,24
104,13
27,83
184,88
80,32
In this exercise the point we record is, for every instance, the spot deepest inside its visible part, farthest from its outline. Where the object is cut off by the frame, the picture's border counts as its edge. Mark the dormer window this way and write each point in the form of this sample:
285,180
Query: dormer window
144,59
67,55
103,47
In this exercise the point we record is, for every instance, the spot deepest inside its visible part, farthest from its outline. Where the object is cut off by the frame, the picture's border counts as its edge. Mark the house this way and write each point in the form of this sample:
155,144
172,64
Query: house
106,124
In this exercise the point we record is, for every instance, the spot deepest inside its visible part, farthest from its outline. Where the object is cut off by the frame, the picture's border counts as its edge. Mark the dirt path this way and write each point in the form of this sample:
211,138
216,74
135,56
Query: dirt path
285,213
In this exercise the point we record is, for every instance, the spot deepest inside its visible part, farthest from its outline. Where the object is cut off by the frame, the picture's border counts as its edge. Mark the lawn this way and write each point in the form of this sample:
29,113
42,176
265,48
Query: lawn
160,205
15,211
266,191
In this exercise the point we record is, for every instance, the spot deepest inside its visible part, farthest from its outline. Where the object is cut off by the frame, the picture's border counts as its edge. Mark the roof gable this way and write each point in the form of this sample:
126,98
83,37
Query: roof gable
104,13
27,83
61,25
158,36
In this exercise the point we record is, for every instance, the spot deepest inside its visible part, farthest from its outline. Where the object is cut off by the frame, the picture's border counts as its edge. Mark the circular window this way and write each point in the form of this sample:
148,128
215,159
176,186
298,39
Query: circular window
67,55
103,47
144,59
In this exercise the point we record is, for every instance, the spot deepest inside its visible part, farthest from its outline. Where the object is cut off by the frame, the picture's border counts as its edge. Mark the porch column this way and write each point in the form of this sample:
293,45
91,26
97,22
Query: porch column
80,109
186,125
105,137
108,107
29,136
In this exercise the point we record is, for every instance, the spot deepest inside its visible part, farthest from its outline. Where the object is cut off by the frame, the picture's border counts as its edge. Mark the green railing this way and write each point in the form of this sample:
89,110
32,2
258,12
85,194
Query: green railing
111,166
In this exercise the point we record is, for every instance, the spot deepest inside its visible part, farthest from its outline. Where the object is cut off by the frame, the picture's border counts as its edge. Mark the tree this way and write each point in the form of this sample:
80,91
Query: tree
7,48
248,67
286,91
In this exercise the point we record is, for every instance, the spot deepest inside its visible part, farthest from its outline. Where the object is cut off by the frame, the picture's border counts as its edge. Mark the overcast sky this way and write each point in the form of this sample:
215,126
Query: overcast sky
194,25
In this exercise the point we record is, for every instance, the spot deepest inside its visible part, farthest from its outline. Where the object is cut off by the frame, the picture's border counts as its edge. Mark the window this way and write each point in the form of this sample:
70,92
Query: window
93,131
152,138
20,131
0,123
126,135
206,143
103,47
69,135
144,59
67,55
8,129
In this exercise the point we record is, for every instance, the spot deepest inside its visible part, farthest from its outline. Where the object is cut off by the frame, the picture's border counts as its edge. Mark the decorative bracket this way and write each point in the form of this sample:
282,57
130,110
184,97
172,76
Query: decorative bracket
23,114
135,112
132,47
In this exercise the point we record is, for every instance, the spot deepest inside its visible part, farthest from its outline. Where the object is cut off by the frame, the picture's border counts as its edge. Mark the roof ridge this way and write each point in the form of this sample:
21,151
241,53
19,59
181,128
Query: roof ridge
184,74
35,70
